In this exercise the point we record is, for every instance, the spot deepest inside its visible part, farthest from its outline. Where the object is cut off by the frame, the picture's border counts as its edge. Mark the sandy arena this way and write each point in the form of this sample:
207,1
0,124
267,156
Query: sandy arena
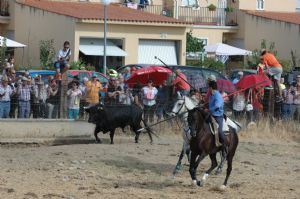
265,166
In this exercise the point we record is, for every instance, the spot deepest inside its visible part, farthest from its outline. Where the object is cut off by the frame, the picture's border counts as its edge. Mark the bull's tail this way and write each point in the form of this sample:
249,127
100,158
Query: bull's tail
149,130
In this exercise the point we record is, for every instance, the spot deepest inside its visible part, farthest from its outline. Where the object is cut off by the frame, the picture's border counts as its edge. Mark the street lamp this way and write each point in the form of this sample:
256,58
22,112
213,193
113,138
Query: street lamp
105,3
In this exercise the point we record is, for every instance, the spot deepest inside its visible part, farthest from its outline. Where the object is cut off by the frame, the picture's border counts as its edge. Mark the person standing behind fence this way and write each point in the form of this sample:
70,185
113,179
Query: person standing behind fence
53,99
149,101
39,98
92,90
24,91
5,97
162,99
239,104
74,95
180,83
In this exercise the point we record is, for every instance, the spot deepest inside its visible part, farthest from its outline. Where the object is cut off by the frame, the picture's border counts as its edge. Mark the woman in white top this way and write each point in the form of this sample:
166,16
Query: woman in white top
74,95
149,100
238,104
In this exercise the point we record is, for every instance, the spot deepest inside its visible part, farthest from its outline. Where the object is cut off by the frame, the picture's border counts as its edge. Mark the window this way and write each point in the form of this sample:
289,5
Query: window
204,41
189,3
260,4
298,5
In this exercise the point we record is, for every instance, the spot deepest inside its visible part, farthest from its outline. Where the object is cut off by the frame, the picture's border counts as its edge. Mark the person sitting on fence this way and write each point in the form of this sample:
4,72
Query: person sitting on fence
62,63
274,69
6,92
74,95
24,91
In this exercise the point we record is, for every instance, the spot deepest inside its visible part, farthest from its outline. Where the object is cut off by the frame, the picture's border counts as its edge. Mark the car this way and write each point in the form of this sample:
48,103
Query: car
234,73
43,73
135,66
196,76
85,73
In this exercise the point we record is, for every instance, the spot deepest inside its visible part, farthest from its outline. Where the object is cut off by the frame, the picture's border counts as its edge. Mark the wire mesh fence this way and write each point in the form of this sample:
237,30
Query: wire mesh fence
66,99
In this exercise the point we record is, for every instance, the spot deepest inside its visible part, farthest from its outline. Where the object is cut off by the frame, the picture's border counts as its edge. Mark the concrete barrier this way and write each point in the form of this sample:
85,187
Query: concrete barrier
44,131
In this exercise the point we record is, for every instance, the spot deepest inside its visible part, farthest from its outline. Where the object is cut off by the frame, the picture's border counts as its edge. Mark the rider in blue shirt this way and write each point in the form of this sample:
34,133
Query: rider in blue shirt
216,109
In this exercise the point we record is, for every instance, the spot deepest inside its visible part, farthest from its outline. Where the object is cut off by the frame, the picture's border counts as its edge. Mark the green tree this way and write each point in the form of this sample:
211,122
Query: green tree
3,49
47,53
193,44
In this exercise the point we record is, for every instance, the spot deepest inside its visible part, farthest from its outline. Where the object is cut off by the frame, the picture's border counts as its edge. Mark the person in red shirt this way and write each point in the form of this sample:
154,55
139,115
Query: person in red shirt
274,68
180,83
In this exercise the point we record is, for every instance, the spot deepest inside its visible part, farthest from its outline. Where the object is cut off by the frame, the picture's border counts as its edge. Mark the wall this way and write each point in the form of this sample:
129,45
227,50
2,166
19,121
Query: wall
33,130
285,35
131,35
270,5
33,25
213,33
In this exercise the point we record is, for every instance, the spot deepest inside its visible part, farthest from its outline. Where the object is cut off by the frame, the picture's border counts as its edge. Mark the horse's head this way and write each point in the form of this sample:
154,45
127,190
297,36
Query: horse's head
196,120
182,105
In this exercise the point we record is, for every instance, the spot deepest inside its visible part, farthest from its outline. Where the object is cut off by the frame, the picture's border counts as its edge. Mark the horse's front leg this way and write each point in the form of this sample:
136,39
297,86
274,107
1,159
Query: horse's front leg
178,165
221,165
214,164
193,167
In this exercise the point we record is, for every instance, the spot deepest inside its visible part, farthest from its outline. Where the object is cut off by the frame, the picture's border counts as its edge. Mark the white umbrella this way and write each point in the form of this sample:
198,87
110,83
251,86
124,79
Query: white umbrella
11,43
225,50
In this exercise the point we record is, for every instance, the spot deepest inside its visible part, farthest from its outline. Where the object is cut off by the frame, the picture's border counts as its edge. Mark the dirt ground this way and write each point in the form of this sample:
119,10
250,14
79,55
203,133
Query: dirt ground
262,168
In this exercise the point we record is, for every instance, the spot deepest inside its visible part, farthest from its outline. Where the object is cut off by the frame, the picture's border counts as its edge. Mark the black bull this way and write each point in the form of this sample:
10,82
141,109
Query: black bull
108,118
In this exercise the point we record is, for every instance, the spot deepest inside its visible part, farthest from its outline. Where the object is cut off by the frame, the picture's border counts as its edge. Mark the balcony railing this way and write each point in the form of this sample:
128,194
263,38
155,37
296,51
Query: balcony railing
199,16
4,12
4,8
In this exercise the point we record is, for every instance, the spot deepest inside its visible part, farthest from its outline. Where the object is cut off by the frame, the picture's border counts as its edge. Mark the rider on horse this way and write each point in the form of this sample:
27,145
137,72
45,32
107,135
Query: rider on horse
216,109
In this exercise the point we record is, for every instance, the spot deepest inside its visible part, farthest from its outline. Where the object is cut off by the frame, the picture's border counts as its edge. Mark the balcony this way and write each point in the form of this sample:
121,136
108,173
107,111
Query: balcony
4,12
197,16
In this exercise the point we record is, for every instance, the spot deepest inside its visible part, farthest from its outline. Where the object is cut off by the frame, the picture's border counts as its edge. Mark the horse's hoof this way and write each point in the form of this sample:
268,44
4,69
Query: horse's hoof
205,176
222,187
194,183
218,171
200,183
98,142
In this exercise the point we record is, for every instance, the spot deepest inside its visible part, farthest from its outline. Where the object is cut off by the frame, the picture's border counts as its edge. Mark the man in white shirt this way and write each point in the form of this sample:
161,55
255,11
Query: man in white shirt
5,93
63,57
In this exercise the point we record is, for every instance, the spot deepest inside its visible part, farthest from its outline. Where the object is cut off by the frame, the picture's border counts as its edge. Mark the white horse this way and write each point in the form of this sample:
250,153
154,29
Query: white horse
181,108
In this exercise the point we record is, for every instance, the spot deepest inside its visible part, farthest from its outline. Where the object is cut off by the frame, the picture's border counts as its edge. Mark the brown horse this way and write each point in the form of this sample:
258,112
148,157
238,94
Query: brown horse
203,144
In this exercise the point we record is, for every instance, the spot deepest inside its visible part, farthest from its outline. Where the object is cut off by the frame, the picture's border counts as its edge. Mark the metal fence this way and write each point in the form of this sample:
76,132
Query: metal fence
196,15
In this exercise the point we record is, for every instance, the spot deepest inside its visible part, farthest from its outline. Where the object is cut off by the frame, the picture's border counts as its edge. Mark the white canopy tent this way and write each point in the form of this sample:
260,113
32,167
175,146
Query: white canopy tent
10,43
223,51
227,50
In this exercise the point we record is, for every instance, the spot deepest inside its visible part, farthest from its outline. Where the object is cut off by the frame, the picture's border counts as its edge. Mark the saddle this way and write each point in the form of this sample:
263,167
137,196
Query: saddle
213,126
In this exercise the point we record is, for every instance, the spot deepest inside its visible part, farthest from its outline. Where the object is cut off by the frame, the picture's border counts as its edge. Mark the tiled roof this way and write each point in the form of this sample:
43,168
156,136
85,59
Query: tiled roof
289,17
94,11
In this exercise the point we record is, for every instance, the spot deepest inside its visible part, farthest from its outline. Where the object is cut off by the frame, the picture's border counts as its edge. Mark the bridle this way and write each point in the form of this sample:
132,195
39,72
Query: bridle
182,105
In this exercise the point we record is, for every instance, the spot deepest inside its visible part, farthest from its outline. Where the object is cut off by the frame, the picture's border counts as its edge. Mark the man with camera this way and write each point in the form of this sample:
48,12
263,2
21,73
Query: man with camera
62,63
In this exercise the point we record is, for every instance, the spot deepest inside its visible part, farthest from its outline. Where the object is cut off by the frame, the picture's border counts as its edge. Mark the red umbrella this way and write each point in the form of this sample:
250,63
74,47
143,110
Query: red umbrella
156,73
226,86
256,81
